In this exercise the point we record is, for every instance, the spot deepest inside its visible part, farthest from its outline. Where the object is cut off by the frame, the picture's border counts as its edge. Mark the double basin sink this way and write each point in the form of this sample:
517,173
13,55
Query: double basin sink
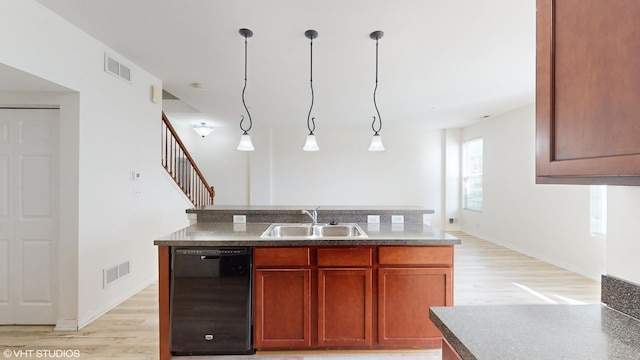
314,231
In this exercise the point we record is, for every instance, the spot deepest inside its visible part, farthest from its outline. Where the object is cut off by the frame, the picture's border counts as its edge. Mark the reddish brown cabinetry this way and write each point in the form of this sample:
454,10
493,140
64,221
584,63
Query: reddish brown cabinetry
345,297
410,280
448,353
282,298
588,92
282,308
349,297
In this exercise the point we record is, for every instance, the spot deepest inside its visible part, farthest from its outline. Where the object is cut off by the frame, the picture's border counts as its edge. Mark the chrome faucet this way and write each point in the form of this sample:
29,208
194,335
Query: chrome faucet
313,216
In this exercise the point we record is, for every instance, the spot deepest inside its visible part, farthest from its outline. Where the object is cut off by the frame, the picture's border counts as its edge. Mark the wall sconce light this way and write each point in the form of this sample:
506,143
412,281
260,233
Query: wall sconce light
245,139
376,140
311,144
203,129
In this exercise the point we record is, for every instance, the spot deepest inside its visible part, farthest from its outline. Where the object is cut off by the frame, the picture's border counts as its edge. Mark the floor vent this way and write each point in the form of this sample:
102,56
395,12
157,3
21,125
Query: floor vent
114,67
115,272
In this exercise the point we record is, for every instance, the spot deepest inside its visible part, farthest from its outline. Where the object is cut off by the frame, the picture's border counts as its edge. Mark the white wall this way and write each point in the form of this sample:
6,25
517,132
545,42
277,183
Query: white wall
452,179
111,129
343,172
549,222
623,232
224,167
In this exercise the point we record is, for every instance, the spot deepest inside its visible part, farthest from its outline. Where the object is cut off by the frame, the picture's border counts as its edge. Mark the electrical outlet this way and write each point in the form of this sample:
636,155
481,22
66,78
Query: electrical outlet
426,219
397,219
239,219
373,219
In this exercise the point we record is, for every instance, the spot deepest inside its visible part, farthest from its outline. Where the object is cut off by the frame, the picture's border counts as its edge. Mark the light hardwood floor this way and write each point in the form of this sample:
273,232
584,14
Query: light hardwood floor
484,274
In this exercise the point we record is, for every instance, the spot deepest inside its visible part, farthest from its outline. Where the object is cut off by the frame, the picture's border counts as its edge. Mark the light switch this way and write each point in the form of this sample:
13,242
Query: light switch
135,175
239,219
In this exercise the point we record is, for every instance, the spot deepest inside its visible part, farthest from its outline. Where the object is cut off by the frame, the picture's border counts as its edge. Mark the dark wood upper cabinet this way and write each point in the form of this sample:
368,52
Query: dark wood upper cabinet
588,92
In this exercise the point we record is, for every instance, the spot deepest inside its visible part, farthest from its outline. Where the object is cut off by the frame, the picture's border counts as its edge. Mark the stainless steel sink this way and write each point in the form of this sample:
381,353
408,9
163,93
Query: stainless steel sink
317,231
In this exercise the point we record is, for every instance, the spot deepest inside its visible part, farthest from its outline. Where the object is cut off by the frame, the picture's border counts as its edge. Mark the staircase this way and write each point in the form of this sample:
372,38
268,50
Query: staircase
179,164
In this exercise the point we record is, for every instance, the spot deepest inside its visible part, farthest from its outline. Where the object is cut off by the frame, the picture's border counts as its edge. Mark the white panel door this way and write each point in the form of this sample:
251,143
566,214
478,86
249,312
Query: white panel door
6,224
28,215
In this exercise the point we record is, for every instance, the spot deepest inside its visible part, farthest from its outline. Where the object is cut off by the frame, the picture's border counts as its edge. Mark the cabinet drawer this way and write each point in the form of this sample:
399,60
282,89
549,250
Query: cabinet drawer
415,255
281,256
344,257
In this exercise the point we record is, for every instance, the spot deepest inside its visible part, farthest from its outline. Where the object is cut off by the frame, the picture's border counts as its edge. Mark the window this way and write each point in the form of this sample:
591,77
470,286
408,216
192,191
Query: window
598,210
472,174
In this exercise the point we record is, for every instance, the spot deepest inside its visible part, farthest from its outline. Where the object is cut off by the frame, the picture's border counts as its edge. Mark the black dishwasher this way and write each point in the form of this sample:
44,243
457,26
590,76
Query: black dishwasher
211,301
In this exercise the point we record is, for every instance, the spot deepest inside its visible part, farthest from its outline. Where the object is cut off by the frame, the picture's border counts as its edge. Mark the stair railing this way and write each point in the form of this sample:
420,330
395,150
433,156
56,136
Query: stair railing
179,164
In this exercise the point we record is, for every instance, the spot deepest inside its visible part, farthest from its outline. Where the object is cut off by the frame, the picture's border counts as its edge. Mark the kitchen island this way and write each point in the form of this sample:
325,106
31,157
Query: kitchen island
540,332
366,293
608,331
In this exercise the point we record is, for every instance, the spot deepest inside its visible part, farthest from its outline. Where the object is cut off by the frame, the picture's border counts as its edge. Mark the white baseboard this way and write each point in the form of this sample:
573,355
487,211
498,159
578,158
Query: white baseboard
86,320
66,325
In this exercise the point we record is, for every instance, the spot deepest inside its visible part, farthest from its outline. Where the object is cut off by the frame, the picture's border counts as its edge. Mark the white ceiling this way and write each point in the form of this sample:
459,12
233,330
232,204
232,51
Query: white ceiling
442,63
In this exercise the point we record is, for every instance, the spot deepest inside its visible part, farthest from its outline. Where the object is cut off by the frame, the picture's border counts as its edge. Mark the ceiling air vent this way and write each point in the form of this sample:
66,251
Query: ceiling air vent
114,67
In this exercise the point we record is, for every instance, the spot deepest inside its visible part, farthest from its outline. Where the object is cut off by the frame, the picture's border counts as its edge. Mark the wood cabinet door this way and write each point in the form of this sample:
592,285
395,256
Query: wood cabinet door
404,298
448,353
282,305
344,307
588,92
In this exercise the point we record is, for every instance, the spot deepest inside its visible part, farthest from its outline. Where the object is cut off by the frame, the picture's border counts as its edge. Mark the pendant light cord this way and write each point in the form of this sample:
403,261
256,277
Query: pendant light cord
311,123
374,98
243,89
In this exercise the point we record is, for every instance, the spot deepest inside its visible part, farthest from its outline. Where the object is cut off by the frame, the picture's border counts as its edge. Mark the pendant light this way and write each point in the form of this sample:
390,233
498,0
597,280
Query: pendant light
311,144
245,139
203,129
376,140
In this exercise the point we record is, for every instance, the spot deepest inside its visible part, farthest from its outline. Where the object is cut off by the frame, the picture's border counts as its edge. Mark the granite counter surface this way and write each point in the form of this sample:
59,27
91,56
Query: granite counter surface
293,214
540,332
230,234
298,207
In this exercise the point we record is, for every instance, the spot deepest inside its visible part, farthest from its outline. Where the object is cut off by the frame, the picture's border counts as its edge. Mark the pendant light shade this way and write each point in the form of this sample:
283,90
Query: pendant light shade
245,143
311,144
245,139
376,141
203,129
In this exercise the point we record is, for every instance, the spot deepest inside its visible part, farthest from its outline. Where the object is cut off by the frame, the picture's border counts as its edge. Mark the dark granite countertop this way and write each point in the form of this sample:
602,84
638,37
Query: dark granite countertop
540,332
230,234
